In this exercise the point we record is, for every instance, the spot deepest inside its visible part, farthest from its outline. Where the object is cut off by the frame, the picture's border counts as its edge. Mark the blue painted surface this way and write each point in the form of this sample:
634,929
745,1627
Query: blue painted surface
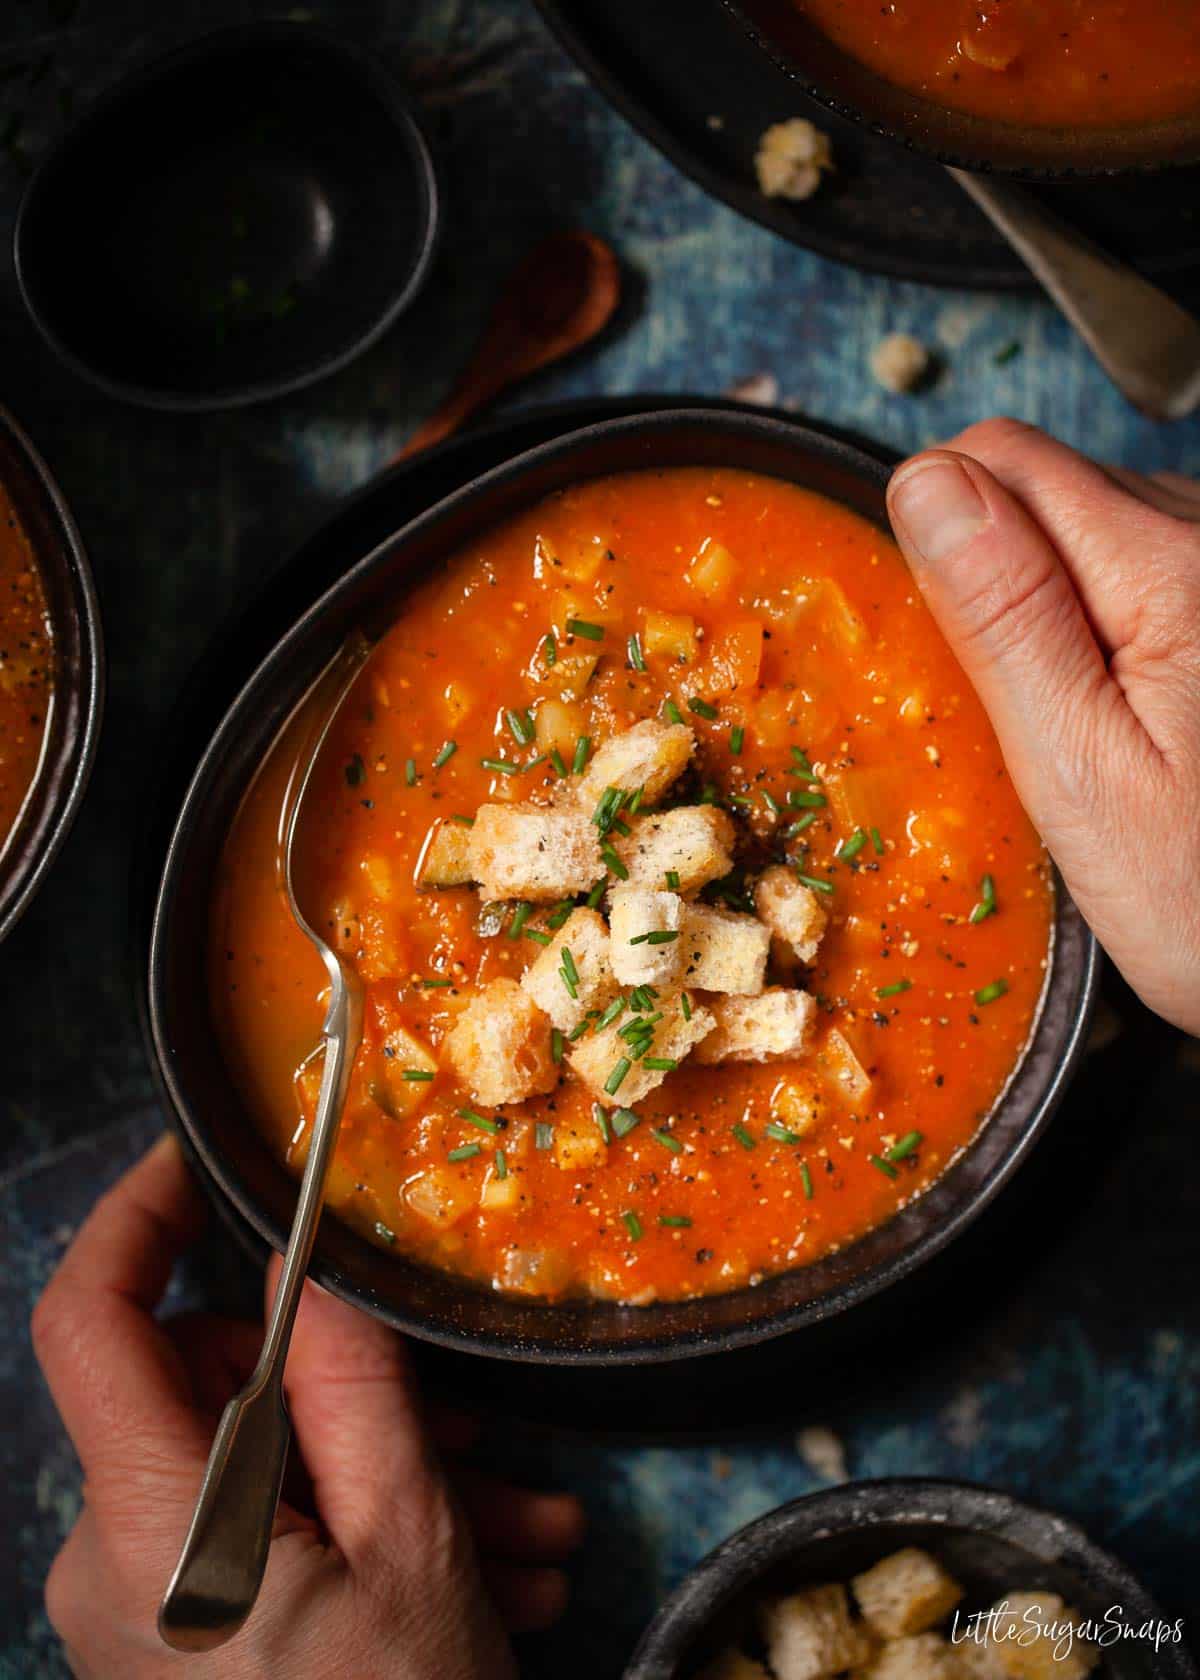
1081,1389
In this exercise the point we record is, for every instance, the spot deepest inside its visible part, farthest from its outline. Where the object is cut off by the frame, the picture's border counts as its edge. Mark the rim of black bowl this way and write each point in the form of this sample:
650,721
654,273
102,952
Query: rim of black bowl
77,702
566,1332
731,1569
957,139
398,107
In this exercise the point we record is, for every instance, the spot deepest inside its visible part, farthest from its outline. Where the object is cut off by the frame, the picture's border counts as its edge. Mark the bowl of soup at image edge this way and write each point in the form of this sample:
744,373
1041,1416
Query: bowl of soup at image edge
440,1305
51,671
991,1544
1021,90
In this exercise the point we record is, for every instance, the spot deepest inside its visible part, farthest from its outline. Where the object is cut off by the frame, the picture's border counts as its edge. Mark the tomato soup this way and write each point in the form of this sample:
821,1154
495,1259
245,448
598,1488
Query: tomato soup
722,696
1050,63
26,668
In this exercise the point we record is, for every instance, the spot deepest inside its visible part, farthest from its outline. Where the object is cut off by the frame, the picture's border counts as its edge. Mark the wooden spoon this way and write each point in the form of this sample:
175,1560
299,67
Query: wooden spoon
558,298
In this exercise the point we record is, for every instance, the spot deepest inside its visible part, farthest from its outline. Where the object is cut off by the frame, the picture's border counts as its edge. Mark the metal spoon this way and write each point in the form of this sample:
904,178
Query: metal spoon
1144,341
220,1569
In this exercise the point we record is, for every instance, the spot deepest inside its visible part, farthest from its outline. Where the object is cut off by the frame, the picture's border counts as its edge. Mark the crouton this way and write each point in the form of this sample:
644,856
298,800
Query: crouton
500,1045
924,1656
533,852
445,859
766,1028
731,1664
597,1058
644,944
1032,1638
649,756
811,1635
591,982
681,849
900,363
724,951
905,1593
791,158
792,911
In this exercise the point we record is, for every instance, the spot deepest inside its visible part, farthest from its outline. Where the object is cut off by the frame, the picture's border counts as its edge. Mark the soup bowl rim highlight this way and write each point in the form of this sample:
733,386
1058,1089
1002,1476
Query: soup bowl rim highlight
439,1306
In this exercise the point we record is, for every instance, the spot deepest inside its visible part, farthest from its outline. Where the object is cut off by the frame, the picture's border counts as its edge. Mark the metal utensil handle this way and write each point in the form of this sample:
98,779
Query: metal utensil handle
224,1556
1147,344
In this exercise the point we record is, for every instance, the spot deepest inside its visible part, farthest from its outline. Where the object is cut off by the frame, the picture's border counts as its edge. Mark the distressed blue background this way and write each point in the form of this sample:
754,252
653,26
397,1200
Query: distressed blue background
1082,1389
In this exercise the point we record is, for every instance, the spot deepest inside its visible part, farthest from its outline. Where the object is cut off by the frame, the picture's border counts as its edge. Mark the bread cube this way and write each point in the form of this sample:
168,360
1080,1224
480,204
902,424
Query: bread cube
445,859
792,911
596,1055
905,1593
536,852
724,951
649,756
922,1656
732,1664
811,1635
1031,1639
692,843
585,936
500,1046
775,1024
645,945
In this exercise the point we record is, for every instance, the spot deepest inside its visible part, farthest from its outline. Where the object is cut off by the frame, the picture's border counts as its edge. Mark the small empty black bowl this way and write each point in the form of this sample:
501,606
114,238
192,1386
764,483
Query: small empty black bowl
234,221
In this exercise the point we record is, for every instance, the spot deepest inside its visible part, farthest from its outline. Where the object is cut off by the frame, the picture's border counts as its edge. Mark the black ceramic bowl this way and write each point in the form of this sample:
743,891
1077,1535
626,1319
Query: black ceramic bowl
235,221
990,1542
73,725
848,87
433,1304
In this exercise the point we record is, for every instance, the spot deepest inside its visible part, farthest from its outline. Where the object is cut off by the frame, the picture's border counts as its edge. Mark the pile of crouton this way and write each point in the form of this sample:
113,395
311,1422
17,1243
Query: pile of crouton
696,972
889,1632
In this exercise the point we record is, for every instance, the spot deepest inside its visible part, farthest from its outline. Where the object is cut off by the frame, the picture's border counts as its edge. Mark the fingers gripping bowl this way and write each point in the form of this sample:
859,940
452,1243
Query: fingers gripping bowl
691,1186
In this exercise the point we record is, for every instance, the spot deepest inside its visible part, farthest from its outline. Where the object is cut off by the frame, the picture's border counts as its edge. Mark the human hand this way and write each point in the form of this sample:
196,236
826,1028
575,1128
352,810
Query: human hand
1071,596
373,1570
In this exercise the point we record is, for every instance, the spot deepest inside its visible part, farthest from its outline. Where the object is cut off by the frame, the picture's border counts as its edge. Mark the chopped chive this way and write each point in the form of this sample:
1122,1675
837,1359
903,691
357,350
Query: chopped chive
532,763
987,900
356,770
607,807
636,657
410,771
543,1135
445,753
743,1136
737,736
661,1064
465,1152
685,1006
634,804
614,863
802,765
989,994
581,627
675,1221
417,1076
620,1068
550,649
568,962
501,1161
905,1146
673,879
815,882
383,1233
806,797
798,827
806,1181
600,1116
576,1033
560,914
538,937
850,848
571,985
556,1045
556,758
621,828
662,936
770,801
740,799
674,715
702,708
583,747
642,997
632,1224
480,1120
610,1014
781,1134
461,817
623,1121
520,726
667,1141
520,916
597,892
708,794
877,842
885,1167
433,985
894,990
501,766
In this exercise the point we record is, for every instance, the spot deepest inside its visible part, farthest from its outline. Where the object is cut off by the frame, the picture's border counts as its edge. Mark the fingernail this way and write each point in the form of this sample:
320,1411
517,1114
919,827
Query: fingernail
938,508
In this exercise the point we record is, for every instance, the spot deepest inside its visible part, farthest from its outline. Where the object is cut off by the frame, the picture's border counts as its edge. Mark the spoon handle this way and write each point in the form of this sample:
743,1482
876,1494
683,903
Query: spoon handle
1144,341
220,1569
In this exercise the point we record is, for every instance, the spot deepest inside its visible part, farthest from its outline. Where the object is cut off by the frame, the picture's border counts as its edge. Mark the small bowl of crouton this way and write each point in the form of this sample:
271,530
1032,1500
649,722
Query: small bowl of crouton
911,1580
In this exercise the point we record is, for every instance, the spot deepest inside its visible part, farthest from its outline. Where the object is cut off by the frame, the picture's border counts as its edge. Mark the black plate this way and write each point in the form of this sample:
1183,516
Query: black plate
675,68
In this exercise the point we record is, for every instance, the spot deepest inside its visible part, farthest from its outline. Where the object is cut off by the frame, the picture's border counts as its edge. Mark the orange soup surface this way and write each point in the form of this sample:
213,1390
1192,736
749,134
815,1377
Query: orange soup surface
1050,63
834,730
26,667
